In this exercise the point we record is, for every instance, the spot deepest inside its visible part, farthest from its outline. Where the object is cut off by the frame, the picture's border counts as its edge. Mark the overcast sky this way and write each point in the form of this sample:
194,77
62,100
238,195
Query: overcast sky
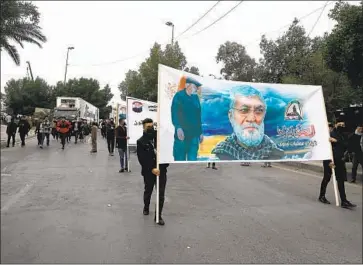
104,32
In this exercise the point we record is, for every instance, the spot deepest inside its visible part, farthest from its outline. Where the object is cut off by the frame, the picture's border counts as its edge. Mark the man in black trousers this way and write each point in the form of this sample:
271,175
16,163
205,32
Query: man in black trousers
110,135
146,154
339,146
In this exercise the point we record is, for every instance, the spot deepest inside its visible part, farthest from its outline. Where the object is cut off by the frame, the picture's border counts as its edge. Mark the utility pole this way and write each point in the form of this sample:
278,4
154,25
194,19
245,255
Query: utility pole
170,24
65,72
30,70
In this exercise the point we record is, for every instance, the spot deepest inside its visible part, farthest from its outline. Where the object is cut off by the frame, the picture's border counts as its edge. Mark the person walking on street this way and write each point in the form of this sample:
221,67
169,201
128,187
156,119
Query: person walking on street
23,130
63,130
146,154
121,144
110,135
76,129
94,137
356,150
11,131
339,146
103,129
45,129
54,129
213,166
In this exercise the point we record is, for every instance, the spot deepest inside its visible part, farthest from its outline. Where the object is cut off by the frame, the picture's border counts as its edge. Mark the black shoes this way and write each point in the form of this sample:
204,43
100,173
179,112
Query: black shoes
324,200
347,205
353,181
121,170
161,221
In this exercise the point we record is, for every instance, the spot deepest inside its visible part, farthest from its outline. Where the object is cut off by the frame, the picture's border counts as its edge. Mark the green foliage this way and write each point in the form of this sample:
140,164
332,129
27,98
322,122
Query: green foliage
344,46
143,83
24,95
238,65
333,61
19,24
193,70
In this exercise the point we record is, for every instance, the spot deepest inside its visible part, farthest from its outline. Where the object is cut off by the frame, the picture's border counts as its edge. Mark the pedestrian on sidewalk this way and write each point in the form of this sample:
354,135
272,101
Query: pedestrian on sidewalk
11,131
146,154
63,130
110,135
339,146
121,144
23,130
213,166
94,137
356,150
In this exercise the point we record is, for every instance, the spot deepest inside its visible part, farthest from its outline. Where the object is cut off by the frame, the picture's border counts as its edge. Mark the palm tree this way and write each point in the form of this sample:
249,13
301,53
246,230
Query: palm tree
19,23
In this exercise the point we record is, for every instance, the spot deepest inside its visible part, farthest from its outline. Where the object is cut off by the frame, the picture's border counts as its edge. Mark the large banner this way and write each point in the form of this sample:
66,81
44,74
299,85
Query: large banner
137,111
205,119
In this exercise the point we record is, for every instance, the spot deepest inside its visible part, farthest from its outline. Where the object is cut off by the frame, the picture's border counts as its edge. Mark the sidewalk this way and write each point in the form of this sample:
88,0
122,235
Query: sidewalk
4,136
317,166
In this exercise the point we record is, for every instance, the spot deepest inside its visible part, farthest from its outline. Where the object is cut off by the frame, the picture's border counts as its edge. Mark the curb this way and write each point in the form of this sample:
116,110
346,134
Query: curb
304,166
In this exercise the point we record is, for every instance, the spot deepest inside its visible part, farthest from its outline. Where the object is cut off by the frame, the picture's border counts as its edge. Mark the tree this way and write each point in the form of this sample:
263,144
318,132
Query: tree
143,83
24,95
193,70
19,24
238,65
285,56
344,47
131,85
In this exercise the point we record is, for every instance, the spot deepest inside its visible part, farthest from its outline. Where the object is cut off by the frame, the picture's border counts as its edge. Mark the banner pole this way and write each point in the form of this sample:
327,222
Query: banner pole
158,151
337,203
127,135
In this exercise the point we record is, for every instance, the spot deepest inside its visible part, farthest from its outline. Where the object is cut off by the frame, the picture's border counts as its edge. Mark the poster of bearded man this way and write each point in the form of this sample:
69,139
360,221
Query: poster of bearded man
202,119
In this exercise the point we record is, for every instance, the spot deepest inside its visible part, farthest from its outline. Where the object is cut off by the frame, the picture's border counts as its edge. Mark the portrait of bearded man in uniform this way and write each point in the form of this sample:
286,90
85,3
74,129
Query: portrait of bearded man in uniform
248,141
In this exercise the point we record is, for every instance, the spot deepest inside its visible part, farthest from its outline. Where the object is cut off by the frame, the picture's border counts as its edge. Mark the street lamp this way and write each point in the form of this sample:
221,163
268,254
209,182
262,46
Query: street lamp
65,72
170,24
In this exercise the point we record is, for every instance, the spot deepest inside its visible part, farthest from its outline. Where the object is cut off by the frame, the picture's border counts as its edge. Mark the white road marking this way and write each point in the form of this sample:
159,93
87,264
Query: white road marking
312,175
5,175
15,198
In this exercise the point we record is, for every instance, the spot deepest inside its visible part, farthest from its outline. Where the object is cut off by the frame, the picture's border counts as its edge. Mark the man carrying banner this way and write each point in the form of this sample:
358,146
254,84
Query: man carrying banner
146,154
186,117
248,141
339,146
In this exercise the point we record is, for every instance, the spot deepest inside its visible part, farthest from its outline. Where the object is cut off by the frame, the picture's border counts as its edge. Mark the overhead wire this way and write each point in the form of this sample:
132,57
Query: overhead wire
316,22
146,51
220,18
229,11
196,22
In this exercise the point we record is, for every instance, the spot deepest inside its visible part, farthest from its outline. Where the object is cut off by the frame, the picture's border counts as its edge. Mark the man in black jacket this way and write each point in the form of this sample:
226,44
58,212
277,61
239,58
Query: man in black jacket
110,135
121,144
146,154
11,131
339,146
24,128
355,149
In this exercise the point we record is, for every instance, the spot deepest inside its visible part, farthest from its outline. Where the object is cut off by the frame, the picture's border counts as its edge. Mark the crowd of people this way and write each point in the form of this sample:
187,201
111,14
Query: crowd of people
116,137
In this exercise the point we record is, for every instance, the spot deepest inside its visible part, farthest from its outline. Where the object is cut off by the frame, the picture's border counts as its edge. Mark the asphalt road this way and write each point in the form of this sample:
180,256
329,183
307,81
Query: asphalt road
70,206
